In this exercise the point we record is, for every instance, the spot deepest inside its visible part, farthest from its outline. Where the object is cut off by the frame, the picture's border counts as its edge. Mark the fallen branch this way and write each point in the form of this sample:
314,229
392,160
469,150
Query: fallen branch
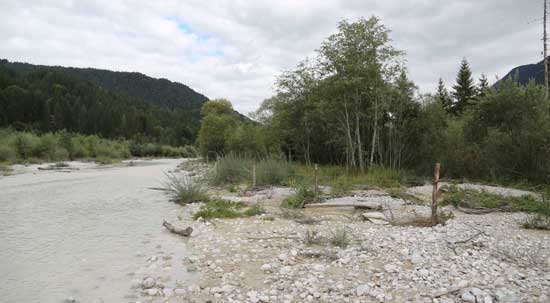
274,237
451,290
478,211
186,232
369,205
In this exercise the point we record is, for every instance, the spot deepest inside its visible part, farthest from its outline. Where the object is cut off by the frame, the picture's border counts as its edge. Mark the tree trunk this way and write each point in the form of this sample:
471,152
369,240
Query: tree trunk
374,133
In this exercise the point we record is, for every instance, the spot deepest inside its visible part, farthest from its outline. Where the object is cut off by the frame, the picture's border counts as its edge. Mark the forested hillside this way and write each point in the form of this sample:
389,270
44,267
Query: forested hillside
90,101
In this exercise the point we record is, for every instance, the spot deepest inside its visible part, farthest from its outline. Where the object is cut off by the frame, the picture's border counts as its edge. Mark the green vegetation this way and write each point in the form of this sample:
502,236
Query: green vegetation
21,147
340,238
226,209
184,189
235,169
468,198
356,112
98,102
302,196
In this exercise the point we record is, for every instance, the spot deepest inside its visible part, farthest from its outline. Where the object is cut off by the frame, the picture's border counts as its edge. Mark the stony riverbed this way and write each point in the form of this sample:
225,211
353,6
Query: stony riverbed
473,258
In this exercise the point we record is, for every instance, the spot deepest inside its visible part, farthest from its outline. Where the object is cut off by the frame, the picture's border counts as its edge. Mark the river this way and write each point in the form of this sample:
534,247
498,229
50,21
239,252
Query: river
85,234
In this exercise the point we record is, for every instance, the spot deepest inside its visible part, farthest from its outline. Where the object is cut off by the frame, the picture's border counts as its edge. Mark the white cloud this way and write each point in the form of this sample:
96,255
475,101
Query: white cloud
235,49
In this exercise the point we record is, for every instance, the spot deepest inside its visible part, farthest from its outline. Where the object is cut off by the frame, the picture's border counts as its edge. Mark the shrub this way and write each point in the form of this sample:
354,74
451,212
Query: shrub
184,189
302,196
25,145
7,153
230,169
272,170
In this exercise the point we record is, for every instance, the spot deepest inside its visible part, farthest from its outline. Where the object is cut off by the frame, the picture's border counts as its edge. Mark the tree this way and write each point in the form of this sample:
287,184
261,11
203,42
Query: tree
464,90
218,121
442,96
483,85
359,59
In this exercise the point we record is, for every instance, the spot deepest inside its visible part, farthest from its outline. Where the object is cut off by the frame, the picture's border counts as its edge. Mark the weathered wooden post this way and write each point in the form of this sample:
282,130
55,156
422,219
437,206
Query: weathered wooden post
254,175
316,189
434,194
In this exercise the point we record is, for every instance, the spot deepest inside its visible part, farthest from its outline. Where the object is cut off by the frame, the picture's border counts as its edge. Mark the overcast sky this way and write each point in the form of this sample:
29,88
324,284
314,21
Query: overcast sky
235,49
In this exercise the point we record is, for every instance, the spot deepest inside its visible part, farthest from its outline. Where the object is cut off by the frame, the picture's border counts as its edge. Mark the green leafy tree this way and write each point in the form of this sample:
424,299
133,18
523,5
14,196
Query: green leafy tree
464,90
218,121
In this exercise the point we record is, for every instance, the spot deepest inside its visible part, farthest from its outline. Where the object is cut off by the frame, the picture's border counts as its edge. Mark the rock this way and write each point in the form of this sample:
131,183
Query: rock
391,268
467,296
179,291
416,259
319,268
192,268
253,296
69,300
506,296
424,273
148,282
362,290
152,291
283,257
266,267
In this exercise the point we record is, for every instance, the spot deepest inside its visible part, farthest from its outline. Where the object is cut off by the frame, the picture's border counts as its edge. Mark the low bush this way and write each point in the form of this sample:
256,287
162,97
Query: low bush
272,170
302,196
230,169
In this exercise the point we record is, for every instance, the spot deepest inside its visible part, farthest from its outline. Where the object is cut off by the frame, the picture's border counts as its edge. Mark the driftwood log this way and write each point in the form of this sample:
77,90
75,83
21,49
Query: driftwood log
478,211
358,204
186,232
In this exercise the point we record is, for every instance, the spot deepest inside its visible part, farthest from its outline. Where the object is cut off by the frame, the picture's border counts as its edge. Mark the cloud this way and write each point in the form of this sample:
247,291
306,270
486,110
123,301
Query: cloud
235,49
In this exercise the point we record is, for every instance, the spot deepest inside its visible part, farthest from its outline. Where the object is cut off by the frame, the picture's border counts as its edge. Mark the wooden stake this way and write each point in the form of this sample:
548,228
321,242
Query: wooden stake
434,194
254,175
316,182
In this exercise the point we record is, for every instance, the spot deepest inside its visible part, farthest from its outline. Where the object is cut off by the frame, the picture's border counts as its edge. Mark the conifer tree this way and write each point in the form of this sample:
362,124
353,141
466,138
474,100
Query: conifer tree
443,97
464,90
483,85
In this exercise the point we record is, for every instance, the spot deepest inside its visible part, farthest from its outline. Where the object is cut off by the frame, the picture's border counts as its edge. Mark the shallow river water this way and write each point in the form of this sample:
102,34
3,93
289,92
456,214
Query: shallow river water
83,234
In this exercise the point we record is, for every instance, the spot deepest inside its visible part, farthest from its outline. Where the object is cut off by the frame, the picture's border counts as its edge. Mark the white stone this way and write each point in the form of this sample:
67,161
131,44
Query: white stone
362,290
468,297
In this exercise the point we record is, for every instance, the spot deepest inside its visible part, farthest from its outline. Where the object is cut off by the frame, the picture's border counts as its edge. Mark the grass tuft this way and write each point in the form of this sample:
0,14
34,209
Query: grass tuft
224,209
184,189
340,238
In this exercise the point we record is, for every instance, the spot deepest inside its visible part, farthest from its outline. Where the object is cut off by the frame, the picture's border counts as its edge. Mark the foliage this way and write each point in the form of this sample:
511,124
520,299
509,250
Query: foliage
184,189
469,198
233,168
340,238
464,90
16,146
302,196
230,169
226,209
87,101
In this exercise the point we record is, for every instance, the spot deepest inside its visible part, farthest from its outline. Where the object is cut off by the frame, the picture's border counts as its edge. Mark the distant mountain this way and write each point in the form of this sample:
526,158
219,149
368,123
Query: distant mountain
92,101
526,73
